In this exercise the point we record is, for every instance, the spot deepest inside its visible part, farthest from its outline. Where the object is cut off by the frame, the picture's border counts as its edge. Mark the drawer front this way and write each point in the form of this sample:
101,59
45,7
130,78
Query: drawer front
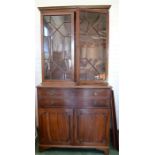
91,97
53,92
94,97
94,93
55,97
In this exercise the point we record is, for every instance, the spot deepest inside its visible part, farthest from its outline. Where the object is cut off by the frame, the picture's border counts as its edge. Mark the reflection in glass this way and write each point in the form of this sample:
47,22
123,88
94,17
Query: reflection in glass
92,46
57,47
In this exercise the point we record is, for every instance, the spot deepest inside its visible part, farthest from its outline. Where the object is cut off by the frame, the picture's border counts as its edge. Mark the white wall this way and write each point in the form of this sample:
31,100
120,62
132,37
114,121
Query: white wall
114,40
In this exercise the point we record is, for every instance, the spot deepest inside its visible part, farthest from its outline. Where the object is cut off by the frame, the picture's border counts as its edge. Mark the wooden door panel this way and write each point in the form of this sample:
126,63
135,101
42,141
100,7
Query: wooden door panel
55,126
92,126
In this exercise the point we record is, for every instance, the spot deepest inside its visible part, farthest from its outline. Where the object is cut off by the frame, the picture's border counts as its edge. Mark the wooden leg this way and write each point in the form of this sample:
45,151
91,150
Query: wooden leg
106,151
42,148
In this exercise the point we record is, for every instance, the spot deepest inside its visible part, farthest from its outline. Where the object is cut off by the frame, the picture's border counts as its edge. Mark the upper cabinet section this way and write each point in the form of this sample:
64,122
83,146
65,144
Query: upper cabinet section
75,44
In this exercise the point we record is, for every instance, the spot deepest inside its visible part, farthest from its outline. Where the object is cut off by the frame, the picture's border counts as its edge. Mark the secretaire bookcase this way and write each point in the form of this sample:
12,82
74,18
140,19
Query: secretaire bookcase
74,98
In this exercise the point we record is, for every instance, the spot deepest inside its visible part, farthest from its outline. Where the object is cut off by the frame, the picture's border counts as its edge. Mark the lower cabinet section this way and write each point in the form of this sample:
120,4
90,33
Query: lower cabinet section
59,126
74,118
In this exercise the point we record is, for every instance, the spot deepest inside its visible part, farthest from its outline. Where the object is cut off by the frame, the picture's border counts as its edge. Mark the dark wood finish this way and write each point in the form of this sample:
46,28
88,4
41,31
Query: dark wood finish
56,126
92,126
107,43
75,113
115,140
57,97
97,10
85,111
57,85
75,7
77,35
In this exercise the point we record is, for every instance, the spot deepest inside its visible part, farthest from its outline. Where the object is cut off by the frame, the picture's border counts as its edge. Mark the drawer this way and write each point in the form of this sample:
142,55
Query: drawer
93,97
94,93
55,92
56,97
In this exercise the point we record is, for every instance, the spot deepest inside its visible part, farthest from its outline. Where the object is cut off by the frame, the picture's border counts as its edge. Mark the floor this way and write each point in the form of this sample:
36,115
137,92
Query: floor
74,151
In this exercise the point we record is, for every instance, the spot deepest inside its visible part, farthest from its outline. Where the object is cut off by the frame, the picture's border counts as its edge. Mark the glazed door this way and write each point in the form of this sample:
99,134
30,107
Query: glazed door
55,126
92,126
93,46
58,46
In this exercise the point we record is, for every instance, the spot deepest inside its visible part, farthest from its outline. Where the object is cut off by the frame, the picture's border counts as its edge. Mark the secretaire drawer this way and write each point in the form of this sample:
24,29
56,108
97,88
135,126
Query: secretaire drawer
74,97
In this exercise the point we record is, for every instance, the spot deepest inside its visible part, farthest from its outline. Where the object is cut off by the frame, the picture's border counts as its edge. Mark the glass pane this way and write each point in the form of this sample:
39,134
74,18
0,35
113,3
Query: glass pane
57,47
92,46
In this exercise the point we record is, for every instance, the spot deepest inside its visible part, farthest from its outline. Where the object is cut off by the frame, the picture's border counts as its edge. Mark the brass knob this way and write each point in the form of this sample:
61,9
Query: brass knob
52,102
95,93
